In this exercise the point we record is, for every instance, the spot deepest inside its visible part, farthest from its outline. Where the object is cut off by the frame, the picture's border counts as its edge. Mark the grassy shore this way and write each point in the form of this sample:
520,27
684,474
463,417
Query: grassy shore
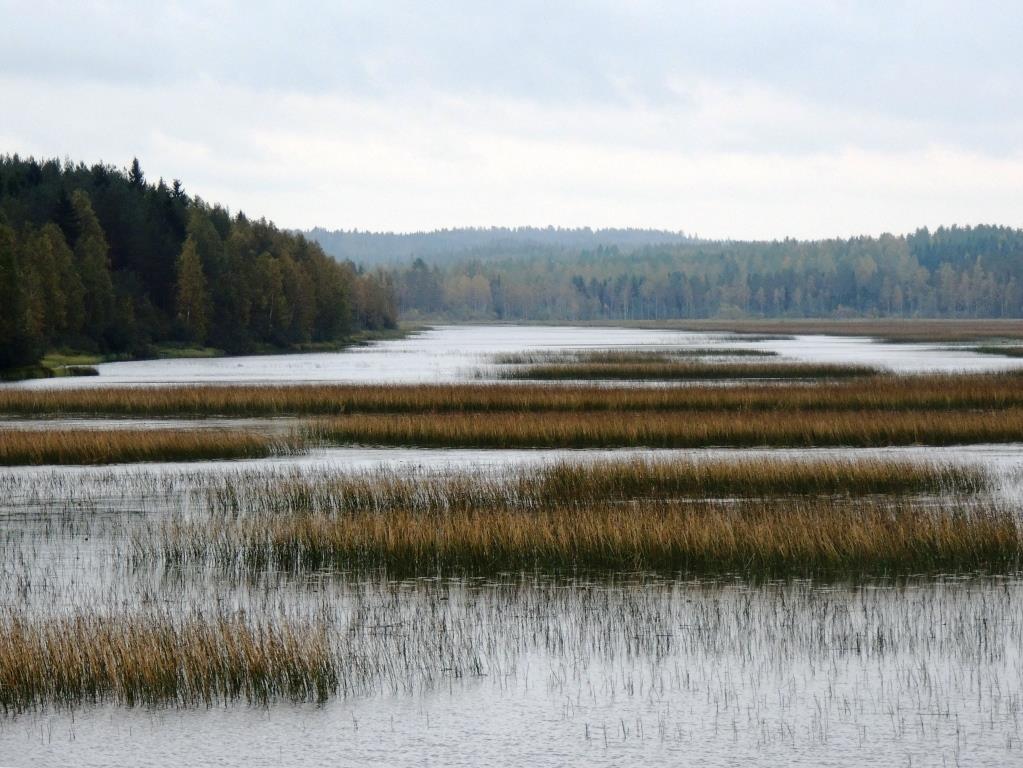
109,446
672,430
887,392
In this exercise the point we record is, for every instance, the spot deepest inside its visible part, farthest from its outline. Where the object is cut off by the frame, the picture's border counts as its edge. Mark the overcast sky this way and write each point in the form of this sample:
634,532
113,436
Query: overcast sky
727,119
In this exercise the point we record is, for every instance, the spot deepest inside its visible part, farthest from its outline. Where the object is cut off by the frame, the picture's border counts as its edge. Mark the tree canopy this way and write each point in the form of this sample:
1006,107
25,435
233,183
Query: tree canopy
950,272
96,258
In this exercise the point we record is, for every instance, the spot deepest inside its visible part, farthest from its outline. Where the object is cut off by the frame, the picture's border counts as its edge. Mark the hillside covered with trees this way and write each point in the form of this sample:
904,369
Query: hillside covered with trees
957,272
102,260
446,246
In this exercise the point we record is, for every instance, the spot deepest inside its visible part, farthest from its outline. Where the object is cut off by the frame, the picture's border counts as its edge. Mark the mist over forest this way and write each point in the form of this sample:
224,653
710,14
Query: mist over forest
615,274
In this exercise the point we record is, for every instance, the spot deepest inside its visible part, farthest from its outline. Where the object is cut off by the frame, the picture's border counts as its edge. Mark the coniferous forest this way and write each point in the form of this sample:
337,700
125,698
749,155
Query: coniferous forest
98,259
951,272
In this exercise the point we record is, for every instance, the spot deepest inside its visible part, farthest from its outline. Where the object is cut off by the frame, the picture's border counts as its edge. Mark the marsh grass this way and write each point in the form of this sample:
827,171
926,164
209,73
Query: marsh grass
680,370
889,392
675,430
155,660
562,485
759,518
759,538
625,356
1005,351
108,446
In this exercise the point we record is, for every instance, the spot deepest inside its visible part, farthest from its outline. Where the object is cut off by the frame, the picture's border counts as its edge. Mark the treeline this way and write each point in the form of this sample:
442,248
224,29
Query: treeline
445,246
951,272
99,259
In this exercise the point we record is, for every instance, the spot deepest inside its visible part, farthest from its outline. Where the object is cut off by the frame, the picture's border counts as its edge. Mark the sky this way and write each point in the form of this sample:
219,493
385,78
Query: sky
722,119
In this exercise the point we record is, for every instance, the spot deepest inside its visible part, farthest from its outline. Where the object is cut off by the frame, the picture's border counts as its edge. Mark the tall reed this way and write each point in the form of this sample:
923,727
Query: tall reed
612,356
155,659
562,485
681,371
676,430
917,392
758,538
108,446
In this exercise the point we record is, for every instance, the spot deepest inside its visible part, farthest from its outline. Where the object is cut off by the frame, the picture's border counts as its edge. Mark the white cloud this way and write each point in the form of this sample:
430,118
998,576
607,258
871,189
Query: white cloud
742,120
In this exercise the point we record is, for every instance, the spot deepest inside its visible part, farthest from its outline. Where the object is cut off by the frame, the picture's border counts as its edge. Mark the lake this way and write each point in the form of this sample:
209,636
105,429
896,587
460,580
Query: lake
530,668
458,353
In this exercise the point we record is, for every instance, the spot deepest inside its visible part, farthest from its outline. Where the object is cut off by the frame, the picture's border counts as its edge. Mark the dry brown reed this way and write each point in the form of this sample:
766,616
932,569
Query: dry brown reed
676,430
923,392
108,446
565,484
761,538
682,371
665,355
153,660
1004,351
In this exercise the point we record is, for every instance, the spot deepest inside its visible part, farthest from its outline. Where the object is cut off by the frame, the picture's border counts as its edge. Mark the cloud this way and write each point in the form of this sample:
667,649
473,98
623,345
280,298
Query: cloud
740,119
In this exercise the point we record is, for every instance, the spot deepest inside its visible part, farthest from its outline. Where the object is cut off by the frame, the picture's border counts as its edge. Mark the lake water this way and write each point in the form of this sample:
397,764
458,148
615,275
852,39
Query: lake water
523,670
458,353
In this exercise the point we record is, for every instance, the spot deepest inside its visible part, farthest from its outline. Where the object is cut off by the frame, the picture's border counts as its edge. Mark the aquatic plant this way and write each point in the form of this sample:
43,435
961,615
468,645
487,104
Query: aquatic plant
108,446
756,538
888,392
674,430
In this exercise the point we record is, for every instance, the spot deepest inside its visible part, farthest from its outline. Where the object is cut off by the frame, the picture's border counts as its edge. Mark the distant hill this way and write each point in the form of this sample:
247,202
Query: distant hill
450,245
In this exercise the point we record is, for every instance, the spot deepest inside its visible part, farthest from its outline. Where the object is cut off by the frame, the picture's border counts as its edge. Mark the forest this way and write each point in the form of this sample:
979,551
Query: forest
448,246
954,272
98,259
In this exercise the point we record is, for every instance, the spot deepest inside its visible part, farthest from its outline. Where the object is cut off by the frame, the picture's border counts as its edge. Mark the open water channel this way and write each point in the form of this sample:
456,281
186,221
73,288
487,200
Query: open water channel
523,669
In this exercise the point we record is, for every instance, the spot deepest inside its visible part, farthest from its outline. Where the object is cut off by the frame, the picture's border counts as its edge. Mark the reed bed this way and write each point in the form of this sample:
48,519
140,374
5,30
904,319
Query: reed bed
625,355
687,370
675,430
999,350
760,538
888,392
154,660
563,485
110,446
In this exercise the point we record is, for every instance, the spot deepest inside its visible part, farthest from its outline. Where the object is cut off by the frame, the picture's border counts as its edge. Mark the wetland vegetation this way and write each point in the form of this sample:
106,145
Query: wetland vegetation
110,446
662,366
919,392
867,583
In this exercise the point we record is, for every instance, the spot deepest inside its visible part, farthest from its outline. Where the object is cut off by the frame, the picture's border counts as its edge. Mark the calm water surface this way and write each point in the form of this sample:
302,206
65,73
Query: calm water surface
525,671
457,353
